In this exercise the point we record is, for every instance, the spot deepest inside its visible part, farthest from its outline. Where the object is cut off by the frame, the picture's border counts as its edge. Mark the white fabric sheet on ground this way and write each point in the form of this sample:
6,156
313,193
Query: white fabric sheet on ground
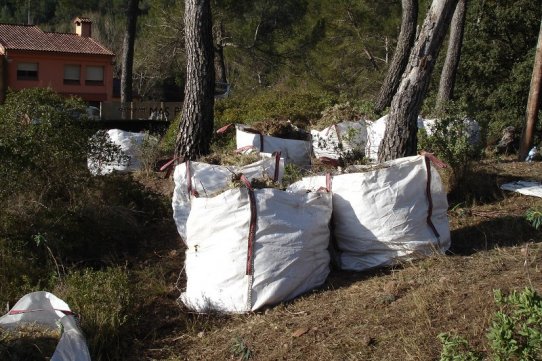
208,180
380,216
530,188
288,257
46,309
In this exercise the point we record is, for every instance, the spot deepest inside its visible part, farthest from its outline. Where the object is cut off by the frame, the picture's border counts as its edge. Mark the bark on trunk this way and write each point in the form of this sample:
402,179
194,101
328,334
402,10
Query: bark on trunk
196,126
400,57
400,139
533,104
453,55
132,13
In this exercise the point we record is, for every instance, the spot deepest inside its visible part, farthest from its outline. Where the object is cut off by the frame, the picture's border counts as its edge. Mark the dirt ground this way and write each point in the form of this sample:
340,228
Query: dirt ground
385,314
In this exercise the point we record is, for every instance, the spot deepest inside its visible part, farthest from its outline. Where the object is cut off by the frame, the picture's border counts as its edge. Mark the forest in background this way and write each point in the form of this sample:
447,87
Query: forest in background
337,51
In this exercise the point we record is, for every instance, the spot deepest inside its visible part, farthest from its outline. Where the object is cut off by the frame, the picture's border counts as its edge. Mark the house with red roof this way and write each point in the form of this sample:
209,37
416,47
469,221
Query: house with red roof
69,63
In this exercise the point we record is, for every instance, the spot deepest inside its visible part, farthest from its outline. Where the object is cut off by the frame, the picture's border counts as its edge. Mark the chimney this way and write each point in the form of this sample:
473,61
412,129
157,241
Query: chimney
83,27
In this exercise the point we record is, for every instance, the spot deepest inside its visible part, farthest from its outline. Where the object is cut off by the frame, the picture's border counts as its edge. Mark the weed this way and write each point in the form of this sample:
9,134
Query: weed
534,217
516,330
104,299
240,349
456,348
292,173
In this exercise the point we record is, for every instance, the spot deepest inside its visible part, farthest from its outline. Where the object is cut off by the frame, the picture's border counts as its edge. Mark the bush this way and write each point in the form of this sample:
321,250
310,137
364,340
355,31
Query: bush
299,107
21,272
47,190
452,141
104,302
515,332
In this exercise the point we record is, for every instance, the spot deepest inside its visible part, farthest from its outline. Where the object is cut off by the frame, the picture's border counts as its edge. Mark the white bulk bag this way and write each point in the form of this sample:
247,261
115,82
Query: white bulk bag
386,215
227,270
375,134
130,144
339,139
207,180
294,151
47,310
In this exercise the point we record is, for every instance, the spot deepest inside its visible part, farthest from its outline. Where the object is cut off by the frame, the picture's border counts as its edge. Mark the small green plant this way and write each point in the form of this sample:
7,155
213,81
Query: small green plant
516,330
534,217
292,173
456,348
240,349
147,153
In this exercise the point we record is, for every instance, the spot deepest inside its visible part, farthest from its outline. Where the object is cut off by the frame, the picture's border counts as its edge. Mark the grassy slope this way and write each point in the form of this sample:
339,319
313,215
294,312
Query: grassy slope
387,314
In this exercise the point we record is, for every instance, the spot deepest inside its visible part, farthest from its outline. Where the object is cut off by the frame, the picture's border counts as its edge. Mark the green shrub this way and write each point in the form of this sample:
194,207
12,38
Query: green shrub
104,302
450,141
22,272
47,190
299,107
516,330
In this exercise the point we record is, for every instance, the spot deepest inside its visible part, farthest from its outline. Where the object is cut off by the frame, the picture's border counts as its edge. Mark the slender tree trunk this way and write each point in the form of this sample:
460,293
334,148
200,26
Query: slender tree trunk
132,13
533,104
400,57
220,65
400,139
196,126
453,55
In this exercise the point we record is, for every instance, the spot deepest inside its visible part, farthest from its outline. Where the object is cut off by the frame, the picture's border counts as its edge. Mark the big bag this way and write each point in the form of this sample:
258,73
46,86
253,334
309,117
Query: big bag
251,248
395,212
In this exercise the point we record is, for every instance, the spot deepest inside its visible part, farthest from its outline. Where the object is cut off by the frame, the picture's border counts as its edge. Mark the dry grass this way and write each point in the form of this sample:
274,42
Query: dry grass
28,342
386,314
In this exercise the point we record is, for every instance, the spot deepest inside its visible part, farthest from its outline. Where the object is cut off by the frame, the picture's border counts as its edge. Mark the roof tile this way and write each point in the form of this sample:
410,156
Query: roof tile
30,37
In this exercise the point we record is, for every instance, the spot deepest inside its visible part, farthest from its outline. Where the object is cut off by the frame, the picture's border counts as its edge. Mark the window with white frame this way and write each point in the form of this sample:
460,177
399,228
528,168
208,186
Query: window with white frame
95,75
72,74
27,71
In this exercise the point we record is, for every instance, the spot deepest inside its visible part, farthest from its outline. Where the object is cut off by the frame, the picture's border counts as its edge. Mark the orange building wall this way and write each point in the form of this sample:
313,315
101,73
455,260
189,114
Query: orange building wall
51,73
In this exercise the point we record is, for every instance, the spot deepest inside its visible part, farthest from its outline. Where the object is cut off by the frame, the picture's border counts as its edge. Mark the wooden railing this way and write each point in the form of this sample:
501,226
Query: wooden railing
147,110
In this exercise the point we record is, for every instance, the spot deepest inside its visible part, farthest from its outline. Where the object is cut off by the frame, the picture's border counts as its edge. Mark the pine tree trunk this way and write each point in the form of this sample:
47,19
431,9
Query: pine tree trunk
400,57
196,126
400,139
132,13
220,65
533,104
453,55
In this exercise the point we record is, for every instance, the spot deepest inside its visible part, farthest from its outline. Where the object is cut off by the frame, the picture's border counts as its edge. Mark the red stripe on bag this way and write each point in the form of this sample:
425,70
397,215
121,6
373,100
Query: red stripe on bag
168,166
328,186
246,147
252,226
261,142
224,129
277,166
437,162
429,198
189,187
18,312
